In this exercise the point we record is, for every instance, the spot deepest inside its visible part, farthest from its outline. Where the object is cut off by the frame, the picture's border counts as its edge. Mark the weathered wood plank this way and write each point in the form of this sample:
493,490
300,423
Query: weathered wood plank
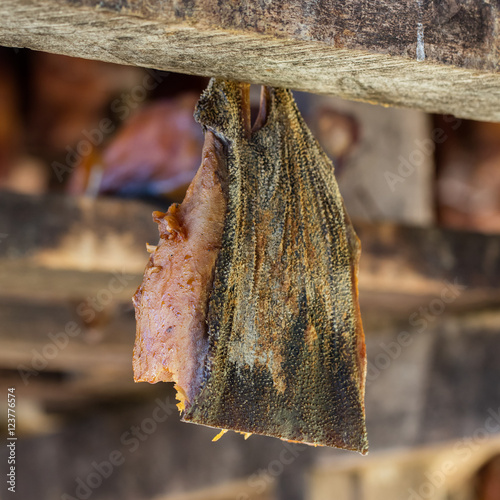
431,374
428,387
440,56
80,247
21,280
460,33
229,491
409,474
57,338
64,232
76,248
164,457
422,261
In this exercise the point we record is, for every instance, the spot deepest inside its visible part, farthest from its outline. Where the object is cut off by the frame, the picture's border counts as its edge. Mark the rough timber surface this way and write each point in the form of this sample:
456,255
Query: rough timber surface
399,260
438,56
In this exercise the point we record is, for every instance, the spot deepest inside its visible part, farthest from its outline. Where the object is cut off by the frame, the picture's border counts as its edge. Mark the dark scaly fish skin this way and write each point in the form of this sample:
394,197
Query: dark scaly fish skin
286,344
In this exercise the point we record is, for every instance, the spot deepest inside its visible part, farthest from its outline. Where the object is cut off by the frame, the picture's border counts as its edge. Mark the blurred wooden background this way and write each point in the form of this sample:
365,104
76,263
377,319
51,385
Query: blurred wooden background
89,149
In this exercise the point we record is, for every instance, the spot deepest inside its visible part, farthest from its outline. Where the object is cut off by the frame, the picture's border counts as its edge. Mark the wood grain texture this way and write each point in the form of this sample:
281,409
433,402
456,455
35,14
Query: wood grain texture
44,236
455,408
364,51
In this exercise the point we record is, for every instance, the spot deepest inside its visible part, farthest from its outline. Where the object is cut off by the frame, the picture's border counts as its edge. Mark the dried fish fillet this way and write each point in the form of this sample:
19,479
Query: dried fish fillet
171,303
269,338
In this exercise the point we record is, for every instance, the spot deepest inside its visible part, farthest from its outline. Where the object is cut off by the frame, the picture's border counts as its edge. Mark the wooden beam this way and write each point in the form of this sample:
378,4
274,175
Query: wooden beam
230,490
76,249
428,382
422,261
407,471
432,378
440,56
39,337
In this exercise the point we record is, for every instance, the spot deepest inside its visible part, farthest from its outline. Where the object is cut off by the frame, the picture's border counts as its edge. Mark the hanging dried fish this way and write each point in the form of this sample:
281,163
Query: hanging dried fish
249,303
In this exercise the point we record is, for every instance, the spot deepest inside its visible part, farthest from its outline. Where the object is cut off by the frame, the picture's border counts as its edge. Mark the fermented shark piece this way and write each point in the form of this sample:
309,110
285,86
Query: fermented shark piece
249,302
